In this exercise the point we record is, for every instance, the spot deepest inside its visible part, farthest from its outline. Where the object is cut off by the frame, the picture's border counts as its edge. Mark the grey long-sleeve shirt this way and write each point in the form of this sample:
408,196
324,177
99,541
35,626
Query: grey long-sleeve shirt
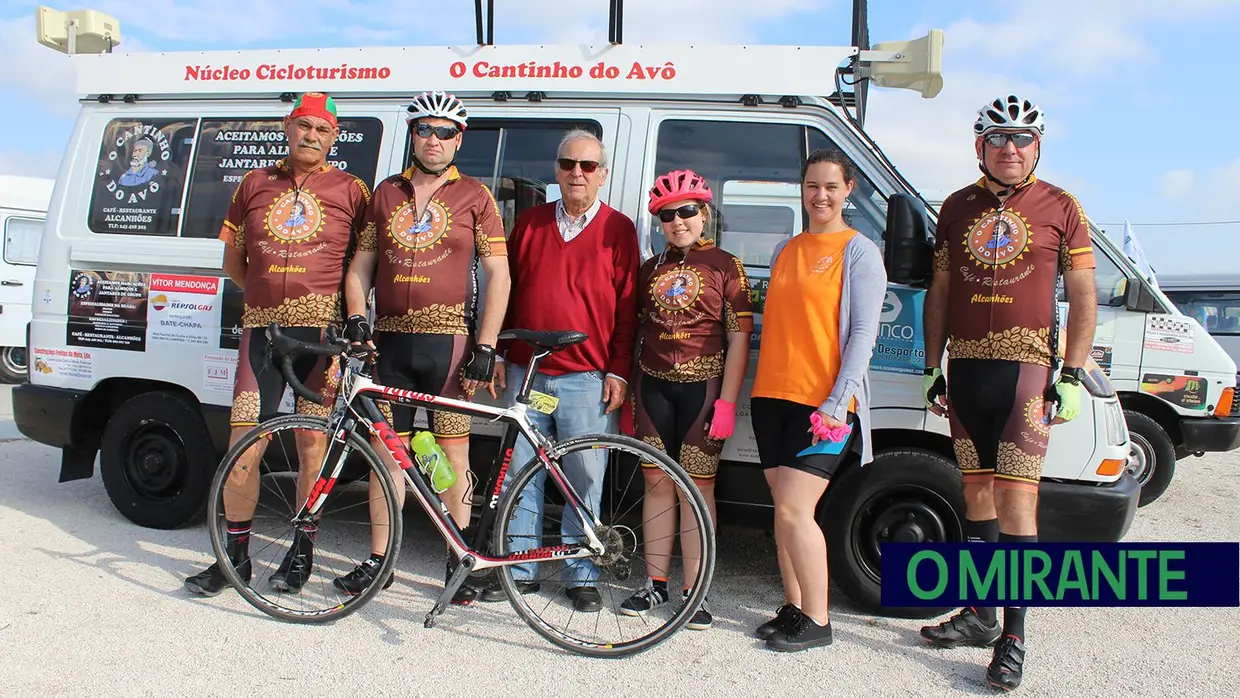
861,304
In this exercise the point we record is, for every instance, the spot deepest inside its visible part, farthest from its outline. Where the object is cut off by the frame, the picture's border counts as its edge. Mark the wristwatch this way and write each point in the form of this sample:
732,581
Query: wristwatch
1072,375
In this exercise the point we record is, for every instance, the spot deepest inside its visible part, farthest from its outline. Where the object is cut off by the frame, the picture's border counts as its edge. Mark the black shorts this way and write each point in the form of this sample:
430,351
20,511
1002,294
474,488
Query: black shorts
998,425
259,386
423,363
782,430
672,417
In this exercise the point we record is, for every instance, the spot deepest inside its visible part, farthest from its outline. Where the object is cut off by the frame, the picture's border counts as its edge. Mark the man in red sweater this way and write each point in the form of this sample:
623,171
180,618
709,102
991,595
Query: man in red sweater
573,267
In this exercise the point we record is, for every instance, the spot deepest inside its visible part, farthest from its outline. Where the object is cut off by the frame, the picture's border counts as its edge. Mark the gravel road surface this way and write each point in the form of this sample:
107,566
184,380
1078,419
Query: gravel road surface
91,604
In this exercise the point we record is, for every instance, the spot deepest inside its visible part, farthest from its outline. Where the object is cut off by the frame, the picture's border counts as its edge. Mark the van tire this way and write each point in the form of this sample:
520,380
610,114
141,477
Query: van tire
165,433
913,495
1156,455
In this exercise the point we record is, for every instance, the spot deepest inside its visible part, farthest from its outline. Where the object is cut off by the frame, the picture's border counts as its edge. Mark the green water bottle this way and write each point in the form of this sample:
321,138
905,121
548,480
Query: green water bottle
433,461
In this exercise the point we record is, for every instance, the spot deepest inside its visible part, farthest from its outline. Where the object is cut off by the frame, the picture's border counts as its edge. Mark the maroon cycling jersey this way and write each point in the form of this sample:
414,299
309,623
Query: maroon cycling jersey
296,237
426,275
688,305
1005,259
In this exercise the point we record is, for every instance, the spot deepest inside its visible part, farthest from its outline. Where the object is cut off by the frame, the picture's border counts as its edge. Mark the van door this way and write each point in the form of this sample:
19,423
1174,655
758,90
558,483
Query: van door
22,233
512,151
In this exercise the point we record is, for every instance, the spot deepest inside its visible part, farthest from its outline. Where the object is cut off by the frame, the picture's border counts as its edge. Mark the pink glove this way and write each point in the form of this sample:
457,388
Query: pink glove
826,432
724,421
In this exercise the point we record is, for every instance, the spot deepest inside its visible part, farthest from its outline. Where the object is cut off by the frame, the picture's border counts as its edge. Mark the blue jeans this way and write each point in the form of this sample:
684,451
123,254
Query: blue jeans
580,412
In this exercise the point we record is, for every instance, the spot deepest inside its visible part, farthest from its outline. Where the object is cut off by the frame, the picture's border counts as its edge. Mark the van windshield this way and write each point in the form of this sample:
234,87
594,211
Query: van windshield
1218,312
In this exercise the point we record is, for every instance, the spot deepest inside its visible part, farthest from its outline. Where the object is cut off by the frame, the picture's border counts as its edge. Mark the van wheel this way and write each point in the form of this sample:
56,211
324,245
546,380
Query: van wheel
1153,456
157,460
905,496
13,364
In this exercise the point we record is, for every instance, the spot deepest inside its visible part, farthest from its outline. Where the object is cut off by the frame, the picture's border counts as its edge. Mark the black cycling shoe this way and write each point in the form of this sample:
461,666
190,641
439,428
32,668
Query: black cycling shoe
784,619
492,592
361,577
1007,665
211,581
294,571
965,629
803,635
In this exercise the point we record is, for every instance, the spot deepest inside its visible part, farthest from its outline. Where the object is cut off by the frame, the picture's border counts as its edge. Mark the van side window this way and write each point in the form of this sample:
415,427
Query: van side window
21,240
1218,312
1108,279
515,159
228,148
754,170
140,177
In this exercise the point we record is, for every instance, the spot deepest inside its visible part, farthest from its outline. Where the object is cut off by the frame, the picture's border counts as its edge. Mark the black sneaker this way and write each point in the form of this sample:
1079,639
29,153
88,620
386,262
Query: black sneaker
491,592
963,629
211,581
361,577
803,635
1007,665
784,619
645,599
294,571
702,619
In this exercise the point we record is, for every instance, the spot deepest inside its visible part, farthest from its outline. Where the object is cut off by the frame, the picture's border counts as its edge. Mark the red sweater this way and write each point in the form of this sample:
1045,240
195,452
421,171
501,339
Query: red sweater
588,284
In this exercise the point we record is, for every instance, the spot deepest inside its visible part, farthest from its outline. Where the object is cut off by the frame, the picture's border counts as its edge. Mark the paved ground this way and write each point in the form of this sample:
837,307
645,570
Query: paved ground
92,605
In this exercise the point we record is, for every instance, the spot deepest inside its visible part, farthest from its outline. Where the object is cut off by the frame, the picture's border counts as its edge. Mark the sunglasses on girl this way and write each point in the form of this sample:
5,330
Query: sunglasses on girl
1000,139
587,166
686,211
443,133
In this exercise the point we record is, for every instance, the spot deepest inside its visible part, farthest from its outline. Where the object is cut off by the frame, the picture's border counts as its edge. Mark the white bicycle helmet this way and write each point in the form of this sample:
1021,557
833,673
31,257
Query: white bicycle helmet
1009,113
436,104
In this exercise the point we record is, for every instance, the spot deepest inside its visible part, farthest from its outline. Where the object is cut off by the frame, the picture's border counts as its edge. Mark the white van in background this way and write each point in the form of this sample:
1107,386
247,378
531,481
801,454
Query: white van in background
1213,300
23,208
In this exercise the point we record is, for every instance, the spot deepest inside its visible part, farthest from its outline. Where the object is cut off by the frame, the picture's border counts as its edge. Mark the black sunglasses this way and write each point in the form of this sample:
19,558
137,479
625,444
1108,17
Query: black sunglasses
1000,139
587,166
687,211
442,132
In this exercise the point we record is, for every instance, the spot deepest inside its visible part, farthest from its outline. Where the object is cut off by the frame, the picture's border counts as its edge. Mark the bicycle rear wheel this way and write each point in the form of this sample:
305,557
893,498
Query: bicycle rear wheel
625,509
296,570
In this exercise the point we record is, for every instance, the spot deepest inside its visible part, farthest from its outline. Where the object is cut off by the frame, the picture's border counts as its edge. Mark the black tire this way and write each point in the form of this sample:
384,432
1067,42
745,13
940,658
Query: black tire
685,488
13,364
913,495
1153,456
216,522
156,460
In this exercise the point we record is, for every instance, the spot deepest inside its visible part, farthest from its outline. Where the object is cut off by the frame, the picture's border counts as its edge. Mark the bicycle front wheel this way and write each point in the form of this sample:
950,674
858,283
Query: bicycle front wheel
641,513
302,571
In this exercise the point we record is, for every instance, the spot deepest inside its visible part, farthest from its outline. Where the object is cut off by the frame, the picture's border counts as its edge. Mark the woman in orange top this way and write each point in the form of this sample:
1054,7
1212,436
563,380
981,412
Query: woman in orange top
810,398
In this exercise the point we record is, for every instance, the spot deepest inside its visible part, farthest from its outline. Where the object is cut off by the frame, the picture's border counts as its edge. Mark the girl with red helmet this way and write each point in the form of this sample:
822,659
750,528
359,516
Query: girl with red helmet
695,320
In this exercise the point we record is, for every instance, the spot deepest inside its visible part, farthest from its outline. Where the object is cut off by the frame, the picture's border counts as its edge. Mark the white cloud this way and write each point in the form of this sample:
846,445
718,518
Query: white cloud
43,163
1178,184
33,70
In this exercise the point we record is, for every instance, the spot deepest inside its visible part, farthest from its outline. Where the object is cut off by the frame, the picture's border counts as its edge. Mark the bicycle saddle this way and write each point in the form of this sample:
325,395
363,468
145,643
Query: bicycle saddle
550,340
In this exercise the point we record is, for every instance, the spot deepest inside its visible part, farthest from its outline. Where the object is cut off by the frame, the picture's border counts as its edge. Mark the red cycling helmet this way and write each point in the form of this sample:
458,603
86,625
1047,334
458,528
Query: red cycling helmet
678,185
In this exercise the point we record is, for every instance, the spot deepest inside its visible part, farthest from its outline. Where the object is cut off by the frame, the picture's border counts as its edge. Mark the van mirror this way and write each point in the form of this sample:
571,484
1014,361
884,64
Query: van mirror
908,252
1139,298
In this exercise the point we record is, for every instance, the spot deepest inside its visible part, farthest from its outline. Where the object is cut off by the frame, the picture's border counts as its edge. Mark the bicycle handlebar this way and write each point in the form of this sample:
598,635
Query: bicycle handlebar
286,348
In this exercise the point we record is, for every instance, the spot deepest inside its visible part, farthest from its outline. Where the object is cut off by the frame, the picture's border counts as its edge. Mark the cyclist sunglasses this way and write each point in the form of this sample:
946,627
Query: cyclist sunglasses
1000,139
587,166
686,211
441,132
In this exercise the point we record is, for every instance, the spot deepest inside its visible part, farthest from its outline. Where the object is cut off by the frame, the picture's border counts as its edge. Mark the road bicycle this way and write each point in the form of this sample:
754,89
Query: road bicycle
613,541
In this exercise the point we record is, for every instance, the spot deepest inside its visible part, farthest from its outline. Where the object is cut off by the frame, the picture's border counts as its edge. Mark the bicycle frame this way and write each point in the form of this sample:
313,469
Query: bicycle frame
359,408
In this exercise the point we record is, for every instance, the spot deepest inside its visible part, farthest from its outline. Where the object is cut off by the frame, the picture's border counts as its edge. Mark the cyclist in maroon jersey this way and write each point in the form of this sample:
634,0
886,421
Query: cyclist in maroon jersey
1002,244
694,322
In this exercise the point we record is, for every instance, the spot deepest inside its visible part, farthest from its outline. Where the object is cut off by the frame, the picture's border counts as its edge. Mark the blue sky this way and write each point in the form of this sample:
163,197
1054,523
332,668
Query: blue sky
1140,96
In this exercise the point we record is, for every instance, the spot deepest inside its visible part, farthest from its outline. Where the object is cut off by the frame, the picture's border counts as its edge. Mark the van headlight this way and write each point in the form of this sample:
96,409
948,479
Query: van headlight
1113,418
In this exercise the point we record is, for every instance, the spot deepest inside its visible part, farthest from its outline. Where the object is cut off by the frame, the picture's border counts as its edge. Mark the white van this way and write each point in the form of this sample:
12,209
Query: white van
1176,377
23,206
151,398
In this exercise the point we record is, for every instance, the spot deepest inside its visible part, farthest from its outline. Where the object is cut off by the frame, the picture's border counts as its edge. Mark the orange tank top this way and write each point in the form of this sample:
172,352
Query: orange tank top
799,357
